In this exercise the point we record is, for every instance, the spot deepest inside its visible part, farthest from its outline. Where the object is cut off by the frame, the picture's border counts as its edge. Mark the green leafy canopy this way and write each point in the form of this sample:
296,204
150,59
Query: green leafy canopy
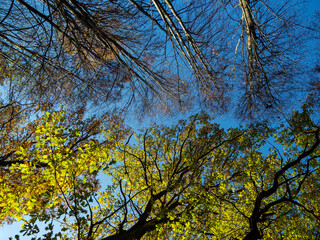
191,180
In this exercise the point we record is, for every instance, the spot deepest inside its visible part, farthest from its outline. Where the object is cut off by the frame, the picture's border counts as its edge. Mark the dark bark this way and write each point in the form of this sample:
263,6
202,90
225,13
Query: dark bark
258,212
137,231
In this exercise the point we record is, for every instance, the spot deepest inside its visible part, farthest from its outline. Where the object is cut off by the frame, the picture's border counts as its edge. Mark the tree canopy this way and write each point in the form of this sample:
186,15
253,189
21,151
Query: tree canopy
72,71
191,180
165,54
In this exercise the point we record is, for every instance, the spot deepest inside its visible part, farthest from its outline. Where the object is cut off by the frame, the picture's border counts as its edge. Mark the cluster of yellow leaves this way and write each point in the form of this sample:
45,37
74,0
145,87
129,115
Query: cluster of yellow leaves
46,173
195,178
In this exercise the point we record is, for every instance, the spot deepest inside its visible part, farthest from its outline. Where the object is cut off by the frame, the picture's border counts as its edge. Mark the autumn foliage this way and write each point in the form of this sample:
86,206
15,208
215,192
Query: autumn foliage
73,73
191,180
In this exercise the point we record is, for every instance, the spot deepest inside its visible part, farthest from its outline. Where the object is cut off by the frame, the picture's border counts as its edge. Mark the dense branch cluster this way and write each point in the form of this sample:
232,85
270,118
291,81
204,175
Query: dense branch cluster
158,53
191,180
